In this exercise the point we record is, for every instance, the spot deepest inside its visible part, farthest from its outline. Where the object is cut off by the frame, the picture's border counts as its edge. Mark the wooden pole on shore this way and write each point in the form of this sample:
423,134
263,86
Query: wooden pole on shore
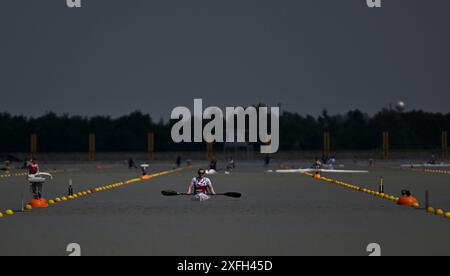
151,147
92,147
33,146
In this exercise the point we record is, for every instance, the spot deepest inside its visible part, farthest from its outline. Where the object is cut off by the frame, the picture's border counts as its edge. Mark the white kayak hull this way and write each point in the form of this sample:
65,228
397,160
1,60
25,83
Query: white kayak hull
201,197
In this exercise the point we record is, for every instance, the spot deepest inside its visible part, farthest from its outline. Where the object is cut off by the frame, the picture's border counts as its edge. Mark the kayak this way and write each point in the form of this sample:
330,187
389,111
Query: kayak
201,197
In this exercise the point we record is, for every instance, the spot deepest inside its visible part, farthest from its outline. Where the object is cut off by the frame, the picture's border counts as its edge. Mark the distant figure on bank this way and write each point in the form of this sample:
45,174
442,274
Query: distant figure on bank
231,164
332,162
325,159
267,160
132,164
178,161
6,167
213,164
433,160
317,164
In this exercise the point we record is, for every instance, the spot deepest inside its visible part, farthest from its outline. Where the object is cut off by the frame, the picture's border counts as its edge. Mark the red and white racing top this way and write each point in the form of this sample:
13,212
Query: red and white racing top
33,168
201,185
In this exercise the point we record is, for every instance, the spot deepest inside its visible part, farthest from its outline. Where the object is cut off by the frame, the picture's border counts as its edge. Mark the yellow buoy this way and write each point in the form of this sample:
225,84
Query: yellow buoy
28,207
447,215
64,198
430,210
51,201
440,212
57,199
1,215
416,205
9,212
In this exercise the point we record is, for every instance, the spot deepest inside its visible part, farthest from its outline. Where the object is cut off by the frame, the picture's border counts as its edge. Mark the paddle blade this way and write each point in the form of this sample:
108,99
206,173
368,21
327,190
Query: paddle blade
169,193
235,195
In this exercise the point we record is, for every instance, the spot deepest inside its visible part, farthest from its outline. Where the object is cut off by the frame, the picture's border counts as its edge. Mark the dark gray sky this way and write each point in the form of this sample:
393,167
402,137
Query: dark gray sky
115,56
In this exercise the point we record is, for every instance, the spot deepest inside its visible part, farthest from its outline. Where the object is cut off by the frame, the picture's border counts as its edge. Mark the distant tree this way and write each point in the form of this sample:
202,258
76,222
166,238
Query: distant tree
354,130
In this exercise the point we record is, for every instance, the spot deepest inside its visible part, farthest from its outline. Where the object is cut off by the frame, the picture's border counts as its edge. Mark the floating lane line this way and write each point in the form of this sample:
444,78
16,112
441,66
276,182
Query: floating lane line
26,174
429,210
98,167
431,171
62,199
423,170
12,175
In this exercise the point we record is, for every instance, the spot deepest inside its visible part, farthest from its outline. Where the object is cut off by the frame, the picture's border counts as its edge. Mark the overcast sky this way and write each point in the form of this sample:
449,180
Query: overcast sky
115,56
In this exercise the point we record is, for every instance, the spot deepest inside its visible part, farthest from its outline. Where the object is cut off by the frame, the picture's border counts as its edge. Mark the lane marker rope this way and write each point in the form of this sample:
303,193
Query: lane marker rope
61,199
26,174
430,171
98,167
429,210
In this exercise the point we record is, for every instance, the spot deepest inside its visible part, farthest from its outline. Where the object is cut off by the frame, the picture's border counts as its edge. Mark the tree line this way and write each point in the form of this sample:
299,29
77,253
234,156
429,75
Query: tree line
354,130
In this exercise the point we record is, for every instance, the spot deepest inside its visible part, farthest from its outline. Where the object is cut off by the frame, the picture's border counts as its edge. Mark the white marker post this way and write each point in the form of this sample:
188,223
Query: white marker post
70,191
22,203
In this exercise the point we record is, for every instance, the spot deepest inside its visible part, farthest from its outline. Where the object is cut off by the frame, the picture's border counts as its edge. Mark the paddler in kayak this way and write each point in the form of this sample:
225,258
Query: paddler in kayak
201,186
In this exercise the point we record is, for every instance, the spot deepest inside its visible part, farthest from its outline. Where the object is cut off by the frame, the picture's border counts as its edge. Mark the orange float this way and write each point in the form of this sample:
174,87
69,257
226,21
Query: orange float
38,203
407,201
317,176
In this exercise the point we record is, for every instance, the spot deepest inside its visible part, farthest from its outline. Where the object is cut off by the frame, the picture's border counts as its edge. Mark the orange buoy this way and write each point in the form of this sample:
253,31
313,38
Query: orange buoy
38,203
146,177
407,201
317,176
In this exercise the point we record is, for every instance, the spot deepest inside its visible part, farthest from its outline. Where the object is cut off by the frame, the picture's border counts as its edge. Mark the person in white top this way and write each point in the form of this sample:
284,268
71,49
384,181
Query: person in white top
201,186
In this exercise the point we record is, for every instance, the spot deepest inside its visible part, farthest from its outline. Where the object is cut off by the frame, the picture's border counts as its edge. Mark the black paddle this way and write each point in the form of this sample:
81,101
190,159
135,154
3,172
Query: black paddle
173,193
